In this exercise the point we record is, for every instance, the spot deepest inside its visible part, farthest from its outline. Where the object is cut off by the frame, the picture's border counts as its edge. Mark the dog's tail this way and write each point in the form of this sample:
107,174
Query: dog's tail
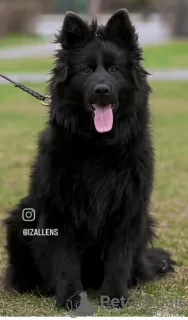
160,262
155,264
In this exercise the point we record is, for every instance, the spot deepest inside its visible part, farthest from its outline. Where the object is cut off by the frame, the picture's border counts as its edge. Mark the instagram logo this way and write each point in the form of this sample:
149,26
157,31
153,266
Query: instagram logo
28,214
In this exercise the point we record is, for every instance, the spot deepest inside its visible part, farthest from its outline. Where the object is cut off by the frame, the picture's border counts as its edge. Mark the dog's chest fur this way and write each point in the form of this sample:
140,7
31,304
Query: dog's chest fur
94,185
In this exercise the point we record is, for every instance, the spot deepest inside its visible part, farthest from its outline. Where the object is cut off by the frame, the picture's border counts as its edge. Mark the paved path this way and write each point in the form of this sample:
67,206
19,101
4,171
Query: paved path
30,51
170,75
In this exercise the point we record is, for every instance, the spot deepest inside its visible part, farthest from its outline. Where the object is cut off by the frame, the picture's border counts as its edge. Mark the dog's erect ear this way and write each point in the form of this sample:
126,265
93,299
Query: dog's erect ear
120,26
74,30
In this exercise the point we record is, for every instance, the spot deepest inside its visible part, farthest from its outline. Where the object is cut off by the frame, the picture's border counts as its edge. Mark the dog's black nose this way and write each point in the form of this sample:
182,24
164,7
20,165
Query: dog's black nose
101,89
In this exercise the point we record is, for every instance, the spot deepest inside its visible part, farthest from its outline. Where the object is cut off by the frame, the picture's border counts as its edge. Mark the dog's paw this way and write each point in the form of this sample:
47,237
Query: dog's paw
69,299
73,302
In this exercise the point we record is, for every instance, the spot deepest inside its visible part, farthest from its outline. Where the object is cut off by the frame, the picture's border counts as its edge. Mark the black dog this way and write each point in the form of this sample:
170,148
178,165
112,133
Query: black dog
93,176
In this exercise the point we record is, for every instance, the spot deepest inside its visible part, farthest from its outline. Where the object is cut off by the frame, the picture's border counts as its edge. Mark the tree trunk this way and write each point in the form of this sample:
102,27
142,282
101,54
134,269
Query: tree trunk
176,14
180,19
18,16
94,7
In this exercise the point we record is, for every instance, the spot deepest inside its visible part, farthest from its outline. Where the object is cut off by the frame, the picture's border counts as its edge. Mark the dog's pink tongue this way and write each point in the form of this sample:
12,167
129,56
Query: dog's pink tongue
103,118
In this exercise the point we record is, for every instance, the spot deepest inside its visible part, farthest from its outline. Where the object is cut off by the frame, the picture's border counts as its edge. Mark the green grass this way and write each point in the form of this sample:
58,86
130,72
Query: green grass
170,55
21,118
166,56
35,65
19,40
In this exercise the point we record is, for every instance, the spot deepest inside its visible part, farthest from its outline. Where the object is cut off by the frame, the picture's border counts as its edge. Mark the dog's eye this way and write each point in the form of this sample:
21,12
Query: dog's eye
87,70
112,69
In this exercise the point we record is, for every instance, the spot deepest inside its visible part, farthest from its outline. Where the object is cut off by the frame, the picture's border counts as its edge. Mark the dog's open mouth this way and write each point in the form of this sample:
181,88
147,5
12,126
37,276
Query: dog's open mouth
103,117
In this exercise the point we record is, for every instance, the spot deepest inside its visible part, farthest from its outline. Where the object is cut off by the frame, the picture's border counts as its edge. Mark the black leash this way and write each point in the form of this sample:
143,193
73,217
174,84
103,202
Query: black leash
45,100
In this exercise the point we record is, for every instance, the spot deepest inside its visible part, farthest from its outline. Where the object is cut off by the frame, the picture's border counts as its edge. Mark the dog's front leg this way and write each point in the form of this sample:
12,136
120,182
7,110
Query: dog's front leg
64,277
114,289
68,279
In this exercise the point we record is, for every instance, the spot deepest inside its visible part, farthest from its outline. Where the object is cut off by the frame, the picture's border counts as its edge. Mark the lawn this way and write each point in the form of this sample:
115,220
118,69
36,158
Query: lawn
22,117
34,65
19,40
166,56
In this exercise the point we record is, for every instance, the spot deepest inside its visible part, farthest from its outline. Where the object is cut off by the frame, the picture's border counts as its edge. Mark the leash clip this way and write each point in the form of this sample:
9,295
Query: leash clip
46,101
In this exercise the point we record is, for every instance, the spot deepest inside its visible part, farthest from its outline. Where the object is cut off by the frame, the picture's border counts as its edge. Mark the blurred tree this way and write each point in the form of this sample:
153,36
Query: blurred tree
175,12
142,6
67,5
80,6
94,7
51,6
17,16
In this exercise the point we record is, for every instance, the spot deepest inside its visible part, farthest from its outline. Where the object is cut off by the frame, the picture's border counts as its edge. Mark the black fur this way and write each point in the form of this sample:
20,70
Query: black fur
94,187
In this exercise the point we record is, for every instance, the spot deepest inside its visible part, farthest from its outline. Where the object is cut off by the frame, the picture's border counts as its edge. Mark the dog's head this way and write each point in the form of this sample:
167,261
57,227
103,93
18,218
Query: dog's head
98,79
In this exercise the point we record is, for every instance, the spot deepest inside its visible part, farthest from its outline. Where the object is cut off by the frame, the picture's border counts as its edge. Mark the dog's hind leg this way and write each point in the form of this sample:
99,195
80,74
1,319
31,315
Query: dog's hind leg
150,263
